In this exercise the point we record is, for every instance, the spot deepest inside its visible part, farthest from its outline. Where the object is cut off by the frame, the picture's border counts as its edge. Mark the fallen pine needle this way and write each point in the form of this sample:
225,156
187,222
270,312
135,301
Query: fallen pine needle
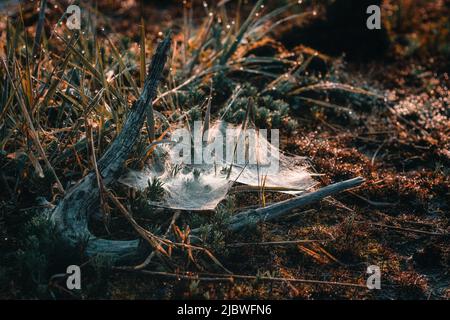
273,243
212,277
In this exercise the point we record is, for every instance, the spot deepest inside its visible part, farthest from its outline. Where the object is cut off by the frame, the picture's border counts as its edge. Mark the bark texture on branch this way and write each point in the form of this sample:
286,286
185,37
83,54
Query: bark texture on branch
278,210
71,215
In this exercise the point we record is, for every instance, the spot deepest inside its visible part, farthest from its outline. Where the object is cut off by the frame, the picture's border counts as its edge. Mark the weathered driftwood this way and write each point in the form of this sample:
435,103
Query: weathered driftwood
275,211
250,218
72,214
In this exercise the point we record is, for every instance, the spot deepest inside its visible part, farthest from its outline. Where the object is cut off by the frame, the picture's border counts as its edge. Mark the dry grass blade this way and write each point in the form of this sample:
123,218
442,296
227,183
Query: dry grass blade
149,112
231,278
38,35
142,54
103,204
152,255
152,239
274,243
32,131
232,44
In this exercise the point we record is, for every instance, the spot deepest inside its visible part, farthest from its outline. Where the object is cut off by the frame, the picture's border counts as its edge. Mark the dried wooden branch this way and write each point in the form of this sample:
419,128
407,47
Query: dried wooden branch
72,214
278,210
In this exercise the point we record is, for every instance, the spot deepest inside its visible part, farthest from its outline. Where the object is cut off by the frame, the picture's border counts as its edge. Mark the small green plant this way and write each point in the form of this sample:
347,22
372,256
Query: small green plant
213,232
98,272
42,253
154,192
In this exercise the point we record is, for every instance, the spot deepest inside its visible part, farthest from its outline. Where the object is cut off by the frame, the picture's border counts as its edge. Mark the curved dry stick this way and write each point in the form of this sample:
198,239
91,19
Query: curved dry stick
72,214
275,211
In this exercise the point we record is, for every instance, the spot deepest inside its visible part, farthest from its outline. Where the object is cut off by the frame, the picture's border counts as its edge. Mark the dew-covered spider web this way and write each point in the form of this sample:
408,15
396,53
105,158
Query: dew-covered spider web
258,164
